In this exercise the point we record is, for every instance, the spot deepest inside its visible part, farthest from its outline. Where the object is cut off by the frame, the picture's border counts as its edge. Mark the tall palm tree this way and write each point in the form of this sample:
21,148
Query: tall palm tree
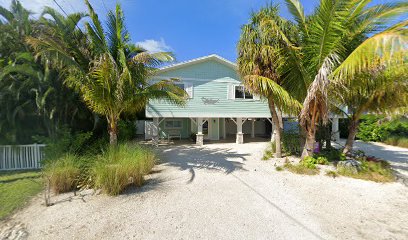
376,91
111,74
260,64
340,39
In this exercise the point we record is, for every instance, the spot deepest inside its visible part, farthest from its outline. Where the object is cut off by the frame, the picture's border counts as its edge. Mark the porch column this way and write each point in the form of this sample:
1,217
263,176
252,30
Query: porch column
253,128
155,131
200,135
224,134
240,135
335,129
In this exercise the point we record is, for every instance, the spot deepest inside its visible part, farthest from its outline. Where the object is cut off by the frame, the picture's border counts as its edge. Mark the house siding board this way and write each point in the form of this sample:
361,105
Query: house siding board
211,80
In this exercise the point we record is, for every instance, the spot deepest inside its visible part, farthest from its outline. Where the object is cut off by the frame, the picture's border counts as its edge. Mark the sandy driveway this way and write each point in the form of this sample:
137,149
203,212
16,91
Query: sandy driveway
224,191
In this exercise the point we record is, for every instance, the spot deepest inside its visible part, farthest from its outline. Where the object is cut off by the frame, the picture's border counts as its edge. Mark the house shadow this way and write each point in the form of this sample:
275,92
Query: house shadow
191,158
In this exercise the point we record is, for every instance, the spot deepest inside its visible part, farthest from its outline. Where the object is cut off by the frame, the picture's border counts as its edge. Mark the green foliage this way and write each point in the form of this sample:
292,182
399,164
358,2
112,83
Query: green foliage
269,152
121,166
279,168
291,143
63,173
16,189
378,128
65,142
331,155
127,130
309,162
301,169
371,170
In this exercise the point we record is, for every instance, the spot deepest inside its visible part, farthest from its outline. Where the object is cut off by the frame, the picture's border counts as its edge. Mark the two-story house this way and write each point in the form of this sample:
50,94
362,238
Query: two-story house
218,106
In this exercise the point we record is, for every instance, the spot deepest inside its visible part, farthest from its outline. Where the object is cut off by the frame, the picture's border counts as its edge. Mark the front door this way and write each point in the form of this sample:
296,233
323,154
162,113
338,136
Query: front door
213,129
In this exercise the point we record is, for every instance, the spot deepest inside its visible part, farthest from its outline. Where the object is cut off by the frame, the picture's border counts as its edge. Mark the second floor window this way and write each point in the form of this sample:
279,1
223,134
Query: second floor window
241,93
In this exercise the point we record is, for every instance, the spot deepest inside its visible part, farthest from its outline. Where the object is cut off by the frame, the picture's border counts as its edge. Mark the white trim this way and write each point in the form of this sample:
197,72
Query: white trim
222,79
197,60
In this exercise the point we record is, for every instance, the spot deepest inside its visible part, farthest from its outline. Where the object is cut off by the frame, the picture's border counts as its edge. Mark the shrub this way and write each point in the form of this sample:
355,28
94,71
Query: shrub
331,155
370,128
127,130
121,166
291,143
62,173
309,162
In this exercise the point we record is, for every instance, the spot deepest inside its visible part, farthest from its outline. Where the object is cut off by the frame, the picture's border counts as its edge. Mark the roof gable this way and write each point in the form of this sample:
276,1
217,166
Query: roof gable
213,57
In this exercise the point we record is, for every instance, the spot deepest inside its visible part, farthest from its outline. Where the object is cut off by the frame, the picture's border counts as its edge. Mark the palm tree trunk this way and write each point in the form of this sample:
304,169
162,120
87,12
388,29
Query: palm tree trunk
309,143
352,134
113,130
278,130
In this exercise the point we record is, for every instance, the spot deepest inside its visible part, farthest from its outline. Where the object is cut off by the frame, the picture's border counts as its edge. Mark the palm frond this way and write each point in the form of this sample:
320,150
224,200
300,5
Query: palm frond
296,9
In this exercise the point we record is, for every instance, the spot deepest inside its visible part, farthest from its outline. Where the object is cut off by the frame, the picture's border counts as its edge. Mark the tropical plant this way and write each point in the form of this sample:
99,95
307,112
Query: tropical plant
376,91
260,64
111,74
339,40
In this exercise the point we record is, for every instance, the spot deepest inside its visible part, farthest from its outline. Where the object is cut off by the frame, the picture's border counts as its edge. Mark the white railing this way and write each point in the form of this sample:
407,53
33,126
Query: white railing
15,157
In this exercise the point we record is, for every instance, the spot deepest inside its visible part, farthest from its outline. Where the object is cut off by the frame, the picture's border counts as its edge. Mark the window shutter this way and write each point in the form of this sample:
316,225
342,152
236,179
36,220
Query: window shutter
257,97
231,91
189,89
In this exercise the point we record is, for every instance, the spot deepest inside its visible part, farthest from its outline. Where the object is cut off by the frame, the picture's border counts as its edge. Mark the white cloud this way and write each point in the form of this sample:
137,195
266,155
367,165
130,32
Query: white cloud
152,45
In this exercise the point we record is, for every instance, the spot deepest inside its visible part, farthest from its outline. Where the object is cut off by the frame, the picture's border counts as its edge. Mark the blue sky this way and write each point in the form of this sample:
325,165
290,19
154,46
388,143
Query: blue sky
189,28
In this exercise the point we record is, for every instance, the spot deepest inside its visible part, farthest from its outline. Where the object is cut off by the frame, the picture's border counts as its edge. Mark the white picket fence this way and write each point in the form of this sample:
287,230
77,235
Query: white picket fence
16,157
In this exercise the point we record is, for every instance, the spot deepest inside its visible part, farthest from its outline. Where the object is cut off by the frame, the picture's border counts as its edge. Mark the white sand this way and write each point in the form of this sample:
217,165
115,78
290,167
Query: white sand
224,191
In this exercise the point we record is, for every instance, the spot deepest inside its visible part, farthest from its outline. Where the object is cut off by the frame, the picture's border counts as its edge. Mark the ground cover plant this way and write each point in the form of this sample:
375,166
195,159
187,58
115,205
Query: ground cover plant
17,188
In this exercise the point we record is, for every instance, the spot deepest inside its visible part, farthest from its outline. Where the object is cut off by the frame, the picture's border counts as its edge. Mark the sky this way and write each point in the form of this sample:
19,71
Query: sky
188,28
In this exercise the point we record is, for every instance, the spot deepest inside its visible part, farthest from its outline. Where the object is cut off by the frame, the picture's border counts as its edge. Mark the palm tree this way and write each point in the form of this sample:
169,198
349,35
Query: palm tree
111,74
340,39
376,91
260,64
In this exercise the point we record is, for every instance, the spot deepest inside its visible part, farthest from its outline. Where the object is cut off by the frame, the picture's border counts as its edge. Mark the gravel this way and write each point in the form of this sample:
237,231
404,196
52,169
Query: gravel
223,191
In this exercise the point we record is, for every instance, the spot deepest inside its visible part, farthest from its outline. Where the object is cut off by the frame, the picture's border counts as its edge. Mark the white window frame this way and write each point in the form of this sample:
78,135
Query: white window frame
187,87
234,89
173,120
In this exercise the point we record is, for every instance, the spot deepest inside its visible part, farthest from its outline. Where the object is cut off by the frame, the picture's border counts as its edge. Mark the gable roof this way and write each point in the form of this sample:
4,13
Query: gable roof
198,60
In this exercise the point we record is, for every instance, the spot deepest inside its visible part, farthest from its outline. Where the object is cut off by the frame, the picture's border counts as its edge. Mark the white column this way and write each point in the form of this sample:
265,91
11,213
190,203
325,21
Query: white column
273,134
155,131
224,134
240,135
335,129
200,135
253,128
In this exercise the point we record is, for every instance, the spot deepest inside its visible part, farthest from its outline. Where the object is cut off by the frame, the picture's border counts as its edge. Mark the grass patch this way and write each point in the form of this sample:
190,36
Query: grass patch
279,168
63,173
372,171
301,169
269,152
122,166
332,174
397,141
17,188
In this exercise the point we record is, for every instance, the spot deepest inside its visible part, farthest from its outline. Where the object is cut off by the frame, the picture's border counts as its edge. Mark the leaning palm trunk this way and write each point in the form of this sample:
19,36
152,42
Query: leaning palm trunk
315,106
351,136
277,126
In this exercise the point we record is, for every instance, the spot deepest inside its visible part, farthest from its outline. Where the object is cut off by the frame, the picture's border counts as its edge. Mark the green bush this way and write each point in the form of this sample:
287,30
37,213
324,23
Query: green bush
127,130
121,166
291,143
331,155
370,128
63,173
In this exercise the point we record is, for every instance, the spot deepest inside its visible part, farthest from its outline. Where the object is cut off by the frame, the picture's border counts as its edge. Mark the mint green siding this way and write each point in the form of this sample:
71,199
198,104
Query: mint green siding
185,129
211,80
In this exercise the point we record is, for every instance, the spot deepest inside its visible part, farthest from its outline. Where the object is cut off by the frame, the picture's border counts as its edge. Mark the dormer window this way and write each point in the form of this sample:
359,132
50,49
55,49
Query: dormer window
241,93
